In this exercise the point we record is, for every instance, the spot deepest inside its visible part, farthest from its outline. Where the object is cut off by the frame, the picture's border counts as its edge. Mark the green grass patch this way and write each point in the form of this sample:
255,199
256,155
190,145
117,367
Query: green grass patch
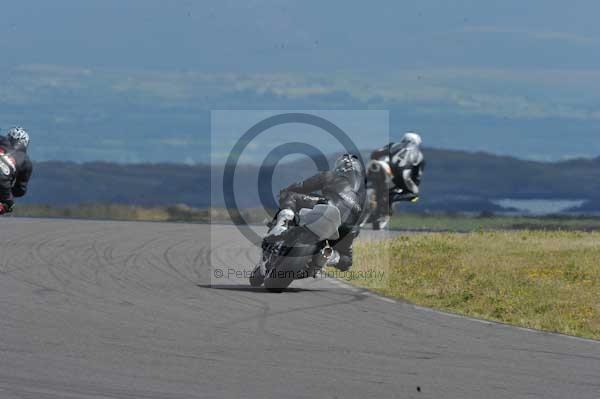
547,280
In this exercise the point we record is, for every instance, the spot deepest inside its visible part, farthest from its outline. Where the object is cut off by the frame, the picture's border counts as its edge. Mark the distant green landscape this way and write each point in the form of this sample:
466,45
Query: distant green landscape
133,115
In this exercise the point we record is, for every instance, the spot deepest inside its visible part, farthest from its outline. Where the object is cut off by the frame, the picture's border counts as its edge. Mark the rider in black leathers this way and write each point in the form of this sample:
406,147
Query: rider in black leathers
15,167
343,187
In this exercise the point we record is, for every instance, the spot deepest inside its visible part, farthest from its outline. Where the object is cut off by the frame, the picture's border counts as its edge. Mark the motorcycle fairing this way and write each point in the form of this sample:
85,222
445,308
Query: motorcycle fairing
323,220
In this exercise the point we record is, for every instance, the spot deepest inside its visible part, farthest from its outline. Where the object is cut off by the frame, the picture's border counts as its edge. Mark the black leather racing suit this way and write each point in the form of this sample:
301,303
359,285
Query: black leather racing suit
347,196
407,165
15,172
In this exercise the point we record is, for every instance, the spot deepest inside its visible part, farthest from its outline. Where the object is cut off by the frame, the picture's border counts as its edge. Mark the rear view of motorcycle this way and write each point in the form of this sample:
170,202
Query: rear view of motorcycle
379,181
301,251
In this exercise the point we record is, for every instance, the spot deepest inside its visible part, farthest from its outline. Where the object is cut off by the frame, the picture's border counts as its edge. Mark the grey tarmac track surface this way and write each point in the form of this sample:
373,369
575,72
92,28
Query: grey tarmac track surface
123,310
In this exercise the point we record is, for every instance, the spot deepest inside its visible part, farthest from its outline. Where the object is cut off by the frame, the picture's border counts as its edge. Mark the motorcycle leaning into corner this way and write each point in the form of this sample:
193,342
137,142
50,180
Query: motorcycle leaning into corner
394,175
379,181
15,167
311,230
301,252
379,186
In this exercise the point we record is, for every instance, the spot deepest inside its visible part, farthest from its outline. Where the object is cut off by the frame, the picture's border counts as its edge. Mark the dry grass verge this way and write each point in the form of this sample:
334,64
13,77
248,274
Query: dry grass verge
548,280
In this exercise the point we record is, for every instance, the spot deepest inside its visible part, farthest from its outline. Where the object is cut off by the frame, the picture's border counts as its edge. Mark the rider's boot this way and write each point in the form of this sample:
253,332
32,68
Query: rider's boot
384,220
6,206
335,261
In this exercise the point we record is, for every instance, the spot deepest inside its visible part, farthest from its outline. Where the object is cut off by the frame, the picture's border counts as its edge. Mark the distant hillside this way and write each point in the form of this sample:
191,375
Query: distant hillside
67,183
454,181
455,177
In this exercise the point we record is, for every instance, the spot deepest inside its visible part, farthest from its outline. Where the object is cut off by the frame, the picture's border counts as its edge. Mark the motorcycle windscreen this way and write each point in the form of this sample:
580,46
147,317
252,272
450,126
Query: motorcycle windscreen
323,220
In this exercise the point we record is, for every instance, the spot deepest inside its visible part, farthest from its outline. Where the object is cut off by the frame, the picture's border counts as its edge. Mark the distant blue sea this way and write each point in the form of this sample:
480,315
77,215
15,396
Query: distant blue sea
538,207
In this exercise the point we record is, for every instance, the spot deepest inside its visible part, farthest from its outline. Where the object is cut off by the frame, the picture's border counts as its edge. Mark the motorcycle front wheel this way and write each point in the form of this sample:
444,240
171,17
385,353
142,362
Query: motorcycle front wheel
257,277
277,281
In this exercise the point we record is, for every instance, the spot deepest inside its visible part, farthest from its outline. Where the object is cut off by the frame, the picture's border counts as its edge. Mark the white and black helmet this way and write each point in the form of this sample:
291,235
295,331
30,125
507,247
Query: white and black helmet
407,151
18,137
411,139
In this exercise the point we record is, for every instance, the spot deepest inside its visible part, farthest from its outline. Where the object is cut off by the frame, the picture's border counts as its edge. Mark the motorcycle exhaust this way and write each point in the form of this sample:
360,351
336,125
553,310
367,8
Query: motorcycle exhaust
326,256
327,252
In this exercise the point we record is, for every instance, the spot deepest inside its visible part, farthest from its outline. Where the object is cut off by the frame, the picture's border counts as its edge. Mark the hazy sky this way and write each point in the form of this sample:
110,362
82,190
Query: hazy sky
474,74
280,35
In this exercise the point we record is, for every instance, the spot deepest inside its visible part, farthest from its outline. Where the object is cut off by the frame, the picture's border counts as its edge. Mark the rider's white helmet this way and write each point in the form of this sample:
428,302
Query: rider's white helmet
18,137
411,139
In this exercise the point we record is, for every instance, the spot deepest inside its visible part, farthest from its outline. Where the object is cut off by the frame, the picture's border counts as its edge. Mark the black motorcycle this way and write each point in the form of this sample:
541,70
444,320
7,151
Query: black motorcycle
300,252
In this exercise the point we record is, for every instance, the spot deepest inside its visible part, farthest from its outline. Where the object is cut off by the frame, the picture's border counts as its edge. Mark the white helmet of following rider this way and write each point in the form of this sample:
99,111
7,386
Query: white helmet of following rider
18,137
411,139
407,151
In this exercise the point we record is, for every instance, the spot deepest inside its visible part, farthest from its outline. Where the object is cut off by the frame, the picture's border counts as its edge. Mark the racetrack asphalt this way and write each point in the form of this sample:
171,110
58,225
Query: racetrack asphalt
92,309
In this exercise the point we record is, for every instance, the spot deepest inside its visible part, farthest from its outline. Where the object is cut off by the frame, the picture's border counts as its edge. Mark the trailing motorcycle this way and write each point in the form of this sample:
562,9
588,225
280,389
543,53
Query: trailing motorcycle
379,178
